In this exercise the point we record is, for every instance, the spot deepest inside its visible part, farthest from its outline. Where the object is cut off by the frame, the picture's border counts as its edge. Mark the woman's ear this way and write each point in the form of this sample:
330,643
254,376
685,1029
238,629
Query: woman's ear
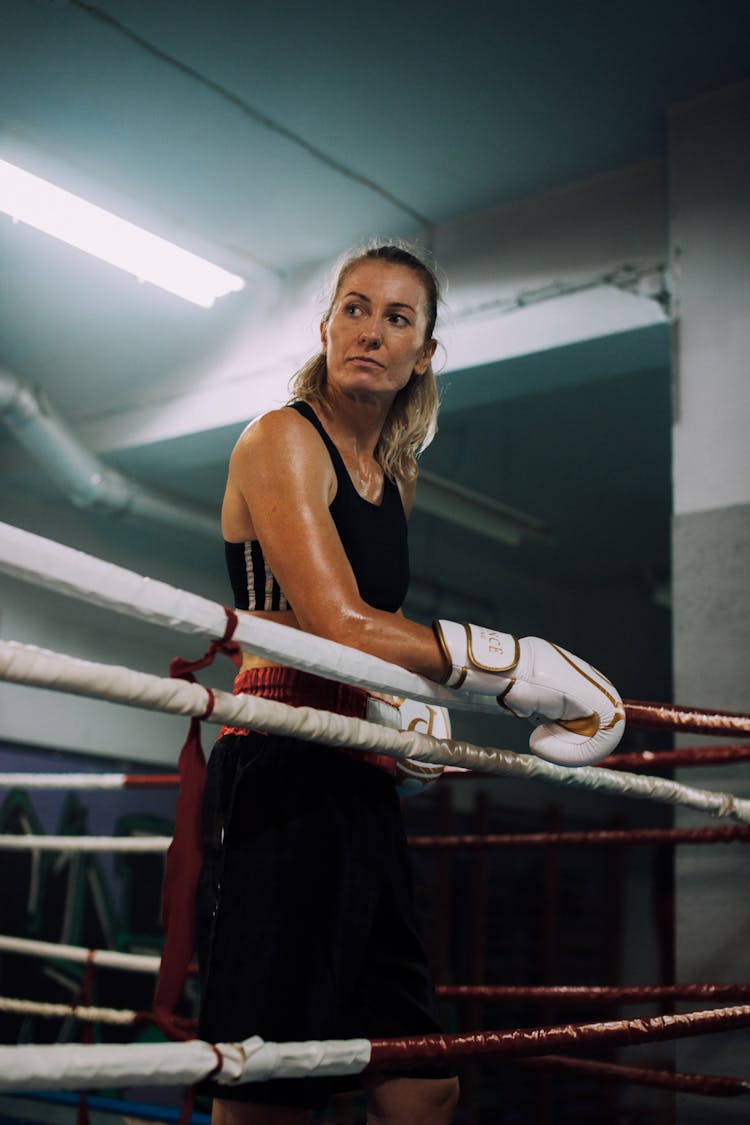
424,360
323,336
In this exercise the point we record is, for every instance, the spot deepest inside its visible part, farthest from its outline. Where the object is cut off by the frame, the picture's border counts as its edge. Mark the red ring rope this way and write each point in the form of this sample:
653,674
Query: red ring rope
586,994
674,716
672,759
148,780
388,1053
712,1085
723,834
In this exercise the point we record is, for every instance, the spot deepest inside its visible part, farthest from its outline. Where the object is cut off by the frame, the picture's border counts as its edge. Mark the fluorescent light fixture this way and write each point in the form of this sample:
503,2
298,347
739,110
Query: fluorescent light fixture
29,199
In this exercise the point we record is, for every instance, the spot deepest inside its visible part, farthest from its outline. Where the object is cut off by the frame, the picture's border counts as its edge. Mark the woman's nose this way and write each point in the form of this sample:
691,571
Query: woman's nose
370,333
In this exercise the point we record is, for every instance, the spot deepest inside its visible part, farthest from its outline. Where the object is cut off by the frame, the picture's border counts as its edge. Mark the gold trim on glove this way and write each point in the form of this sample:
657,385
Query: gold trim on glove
618,717
501,700
452,668
561,652
588,726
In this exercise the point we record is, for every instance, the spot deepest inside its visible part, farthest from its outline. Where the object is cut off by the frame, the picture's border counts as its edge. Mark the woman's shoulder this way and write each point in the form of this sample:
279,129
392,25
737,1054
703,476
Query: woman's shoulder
279,453
278,425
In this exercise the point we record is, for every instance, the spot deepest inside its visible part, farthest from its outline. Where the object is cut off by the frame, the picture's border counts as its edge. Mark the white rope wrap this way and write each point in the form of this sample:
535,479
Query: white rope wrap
42,562
109,959
73,1066
26,842
41,668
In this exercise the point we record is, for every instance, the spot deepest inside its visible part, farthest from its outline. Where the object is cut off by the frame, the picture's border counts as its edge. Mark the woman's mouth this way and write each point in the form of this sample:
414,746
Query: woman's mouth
367,360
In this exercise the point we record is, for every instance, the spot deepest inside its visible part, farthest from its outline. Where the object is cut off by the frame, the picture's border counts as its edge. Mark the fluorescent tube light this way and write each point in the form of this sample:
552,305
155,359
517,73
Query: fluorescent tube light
29,199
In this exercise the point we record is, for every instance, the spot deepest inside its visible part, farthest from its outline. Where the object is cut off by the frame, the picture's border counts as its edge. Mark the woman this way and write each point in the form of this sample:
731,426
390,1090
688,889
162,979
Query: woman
313,935
305,917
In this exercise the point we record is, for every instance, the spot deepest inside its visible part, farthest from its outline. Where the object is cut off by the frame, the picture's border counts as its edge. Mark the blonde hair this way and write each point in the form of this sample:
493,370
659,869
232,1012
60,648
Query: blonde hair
411,423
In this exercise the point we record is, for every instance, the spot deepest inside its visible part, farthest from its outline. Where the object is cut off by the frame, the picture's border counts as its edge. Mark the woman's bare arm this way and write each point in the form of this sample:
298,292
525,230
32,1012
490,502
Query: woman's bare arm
282,472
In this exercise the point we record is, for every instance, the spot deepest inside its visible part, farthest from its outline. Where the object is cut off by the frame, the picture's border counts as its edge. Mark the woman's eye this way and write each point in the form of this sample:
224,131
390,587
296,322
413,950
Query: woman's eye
353,310
398,319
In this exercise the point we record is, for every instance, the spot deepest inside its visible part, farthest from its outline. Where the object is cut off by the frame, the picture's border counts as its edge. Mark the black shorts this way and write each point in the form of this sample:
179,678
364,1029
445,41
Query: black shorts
305,912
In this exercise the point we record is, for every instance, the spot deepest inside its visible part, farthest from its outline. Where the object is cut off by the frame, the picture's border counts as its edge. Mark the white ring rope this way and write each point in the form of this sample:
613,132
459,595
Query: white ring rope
123,1017
30,780
107,958
93,1066
41,668
73,1067
22,842
43,562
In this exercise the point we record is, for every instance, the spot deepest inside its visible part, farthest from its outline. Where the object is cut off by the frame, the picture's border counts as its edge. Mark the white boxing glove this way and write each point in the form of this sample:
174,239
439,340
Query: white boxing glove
411,777
577,713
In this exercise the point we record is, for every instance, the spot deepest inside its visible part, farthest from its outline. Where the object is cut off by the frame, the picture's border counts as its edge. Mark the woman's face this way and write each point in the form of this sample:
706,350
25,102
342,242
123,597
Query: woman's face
374,338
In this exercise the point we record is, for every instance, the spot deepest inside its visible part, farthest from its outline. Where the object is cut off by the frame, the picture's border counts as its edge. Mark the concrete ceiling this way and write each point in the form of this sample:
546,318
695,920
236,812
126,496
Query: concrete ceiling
268,138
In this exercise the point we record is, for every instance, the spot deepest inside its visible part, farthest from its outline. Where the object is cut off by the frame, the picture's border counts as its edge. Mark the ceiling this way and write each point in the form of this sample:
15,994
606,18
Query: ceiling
270,137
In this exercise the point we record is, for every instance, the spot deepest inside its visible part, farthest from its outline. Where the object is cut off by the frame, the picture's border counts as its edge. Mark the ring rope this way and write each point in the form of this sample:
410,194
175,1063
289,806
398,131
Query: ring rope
710,1085
642,759
696,720
41,668
65,570
674,759
660,715
32,558
593,994
124,1017
725,834
65,1066
116,1016
69,1067
403,1052
29,842
106,958
29,780
143,962
88,1013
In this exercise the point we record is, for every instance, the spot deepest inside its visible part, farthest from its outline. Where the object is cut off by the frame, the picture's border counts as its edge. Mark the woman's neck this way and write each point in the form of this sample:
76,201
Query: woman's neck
355,424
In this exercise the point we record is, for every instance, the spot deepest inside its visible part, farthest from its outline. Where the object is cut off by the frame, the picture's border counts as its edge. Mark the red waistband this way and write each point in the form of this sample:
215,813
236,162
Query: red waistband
303,689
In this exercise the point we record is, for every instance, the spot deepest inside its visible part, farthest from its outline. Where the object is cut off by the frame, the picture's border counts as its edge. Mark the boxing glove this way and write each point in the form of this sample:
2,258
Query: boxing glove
578,715
428,718
394,711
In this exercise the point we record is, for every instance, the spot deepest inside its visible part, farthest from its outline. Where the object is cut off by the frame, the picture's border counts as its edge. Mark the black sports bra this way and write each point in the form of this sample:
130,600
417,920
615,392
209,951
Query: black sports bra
374,538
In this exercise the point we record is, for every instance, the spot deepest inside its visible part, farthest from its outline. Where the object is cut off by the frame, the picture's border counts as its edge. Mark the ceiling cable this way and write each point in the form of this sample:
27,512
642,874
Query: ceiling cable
248,110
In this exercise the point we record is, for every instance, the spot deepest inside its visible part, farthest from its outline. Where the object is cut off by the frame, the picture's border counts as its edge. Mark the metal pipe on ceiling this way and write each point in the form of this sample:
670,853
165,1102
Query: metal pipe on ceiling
89,483
83,477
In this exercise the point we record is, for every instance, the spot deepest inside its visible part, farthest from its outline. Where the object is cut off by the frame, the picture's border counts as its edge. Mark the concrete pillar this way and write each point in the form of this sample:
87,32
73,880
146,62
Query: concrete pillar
709,200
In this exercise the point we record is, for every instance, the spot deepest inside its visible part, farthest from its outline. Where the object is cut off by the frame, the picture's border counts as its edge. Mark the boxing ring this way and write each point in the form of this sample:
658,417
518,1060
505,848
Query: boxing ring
185,1060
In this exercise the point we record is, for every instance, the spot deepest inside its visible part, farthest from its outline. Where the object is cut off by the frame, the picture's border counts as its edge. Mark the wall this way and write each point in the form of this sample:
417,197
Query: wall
709,175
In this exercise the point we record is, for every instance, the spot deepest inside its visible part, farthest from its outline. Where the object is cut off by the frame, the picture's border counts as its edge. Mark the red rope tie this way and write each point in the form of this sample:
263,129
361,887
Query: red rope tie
83,1000
209,706
187,1106
185,853
219,1063
182,669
